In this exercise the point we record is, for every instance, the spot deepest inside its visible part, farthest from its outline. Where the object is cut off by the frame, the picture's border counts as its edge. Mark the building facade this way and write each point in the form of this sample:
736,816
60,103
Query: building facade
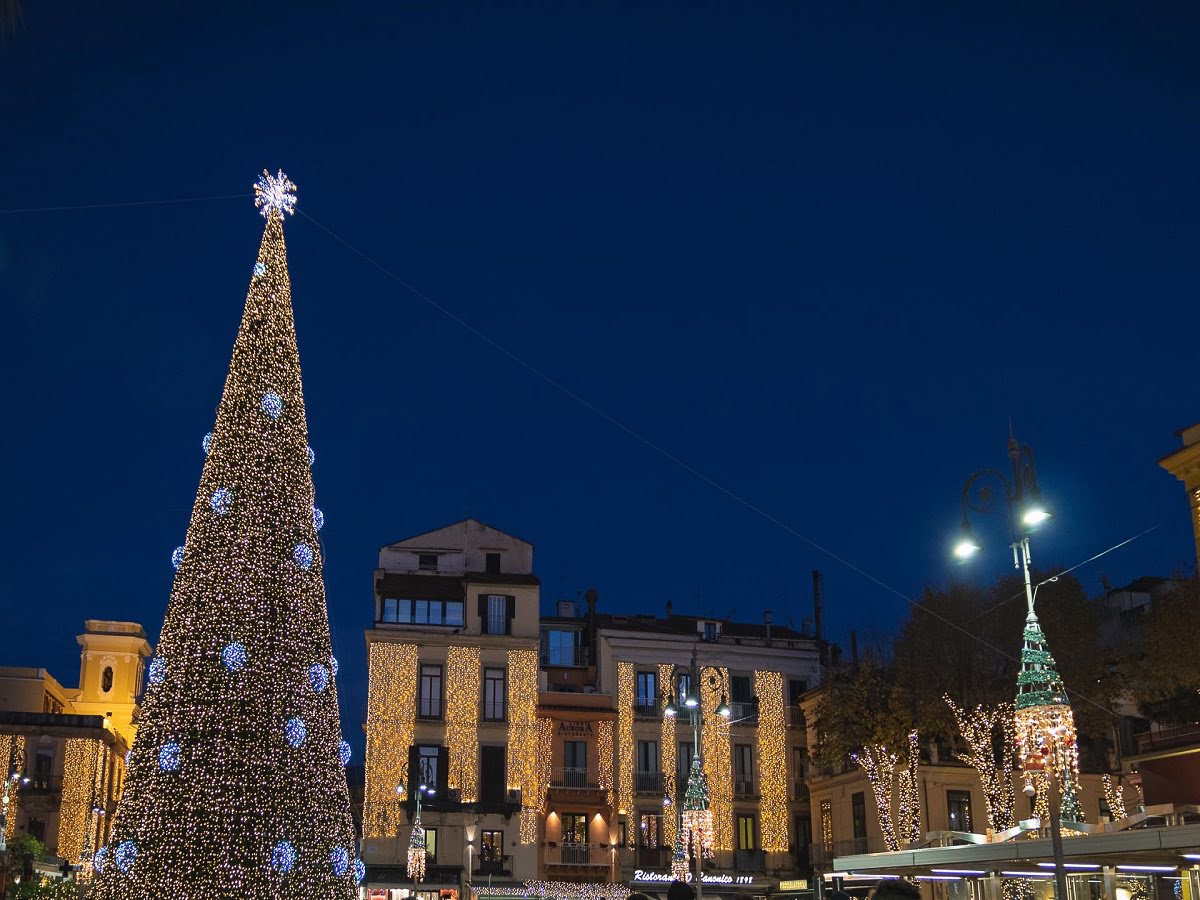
452,704
67,746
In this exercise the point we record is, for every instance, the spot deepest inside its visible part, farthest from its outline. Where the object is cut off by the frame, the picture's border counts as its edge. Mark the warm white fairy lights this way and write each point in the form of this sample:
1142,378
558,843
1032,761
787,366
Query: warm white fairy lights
559,890
772,762
462,721
981,729
526,768
12,756
81,757
908,795
718,760
1113,796
667,748
880,768
416,851
208,829
604,750
391,717
625,745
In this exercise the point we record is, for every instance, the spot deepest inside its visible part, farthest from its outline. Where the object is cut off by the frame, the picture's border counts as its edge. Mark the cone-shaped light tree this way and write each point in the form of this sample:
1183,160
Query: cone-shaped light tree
235,787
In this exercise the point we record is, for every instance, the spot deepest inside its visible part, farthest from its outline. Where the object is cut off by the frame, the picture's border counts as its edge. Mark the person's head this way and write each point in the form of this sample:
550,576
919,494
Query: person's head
894,889
681,891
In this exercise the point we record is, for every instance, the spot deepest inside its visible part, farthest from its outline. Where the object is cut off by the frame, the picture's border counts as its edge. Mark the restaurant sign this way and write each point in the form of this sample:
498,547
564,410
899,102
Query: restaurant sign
798,884
646,875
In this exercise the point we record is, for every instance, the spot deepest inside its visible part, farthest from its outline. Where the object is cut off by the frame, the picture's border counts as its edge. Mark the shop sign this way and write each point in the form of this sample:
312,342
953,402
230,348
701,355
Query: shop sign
647,875
571,728
797,884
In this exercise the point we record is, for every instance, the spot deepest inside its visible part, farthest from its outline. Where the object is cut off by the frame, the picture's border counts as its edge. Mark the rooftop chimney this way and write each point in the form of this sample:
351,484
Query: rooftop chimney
668,609
591,596
818,616
767,622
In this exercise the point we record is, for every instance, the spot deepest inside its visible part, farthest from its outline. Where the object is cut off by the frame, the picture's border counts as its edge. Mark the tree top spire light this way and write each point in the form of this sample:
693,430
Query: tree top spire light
274,195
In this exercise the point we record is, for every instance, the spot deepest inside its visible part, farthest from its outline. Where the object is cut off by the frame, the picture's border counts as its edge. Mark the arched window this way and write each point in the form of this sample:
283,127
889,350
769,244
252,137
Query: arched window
106,679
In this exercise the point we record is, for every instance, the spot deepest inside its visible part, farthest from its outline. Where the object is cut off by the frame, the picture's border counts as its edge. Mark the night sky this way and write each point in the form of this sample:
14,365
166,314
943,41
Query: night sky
819,252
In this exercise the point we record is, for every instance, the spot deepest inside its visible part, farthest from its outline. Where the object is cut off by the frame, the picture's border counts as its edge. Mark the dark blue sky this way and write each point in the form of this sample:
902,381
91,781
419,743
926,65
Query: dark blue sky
819,252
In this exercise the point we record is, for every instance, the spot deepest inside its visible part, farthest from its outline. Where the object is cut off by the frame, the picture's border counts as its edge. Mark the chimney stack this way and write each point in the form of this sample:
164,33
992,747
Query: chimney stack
767,622
668,609
590,596
818,616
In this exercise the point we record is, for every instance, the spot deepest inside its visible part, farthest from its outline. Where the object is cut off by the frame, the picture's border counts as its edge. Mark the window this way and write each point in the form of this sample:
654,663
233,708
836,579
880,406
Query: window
797,687
621,834
648,778
575,755
43,765
491,846
427,767
650,831
743,767
427,562
683,687
746,832
493,694
710,631
858,807
683,759
497,615
958,809
422,612
647,692
431,844
574,828
740,690
430,702
37,829
491,563
106,679
560,647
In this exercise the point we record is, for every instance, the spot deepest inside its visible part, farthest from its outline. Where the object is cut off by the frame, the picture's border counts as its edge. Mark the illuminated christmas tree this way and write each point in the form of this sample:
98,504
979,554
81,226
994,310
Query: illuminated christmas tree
235,787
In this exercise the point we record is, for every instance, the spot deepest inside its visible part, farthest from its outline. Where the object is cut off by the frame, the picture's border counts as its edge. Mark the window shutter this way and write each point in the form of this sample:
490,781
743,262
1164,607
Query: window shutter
414,773
483,608
511,602
443,771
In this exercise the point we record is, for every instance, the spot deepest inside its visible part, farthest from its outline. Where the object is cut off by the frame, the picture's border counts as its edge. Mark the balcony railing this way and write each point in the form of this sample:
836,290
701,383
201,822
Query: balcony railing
570,778
644,710
648,782
499,865
749,860
1167,738
823,854
795,717
577,855
744,713
799,791
743,788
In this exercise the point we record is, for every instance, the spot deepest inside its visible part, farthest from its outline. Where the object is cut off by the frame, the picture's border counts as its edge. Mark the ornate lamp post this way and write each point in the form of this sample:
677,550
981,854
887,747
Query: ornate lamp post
1044,722
416,840
695,818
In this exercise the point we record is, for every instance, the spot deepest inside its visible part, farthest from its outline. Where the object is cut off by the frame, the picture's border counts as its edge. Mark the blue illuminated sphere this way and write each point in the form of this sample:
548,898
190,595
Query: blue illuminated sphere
312,457
333,666
303,556
283,857
234,656
206,443
344,752
177,557
168,757
318,677
220,501
272,404
259,270
101,859
318,519
126,851
360,871
340,857
157,671
295,732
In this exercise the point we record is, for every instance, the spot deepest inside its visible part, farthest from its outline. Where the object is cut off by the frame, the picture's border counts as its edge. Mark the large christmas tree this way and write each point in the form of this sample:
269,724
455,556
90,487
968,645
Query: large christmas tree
235,787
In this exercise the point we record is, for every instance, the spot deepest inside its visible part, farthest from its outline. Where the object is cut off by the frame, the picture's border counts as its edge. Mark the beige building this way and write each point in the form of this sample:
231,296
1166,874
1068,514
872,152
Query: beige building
452,702
67,746
1184,464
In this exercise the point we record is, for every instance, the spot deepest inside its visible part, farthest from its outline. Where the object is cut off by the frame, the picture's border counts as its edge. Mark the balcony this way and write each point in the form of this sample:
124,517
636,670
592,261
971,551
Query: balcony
578,855
795,717
824,854
744,713
648,782
646,710
568,778
1168,738
800,792
743,788
497,865
749,860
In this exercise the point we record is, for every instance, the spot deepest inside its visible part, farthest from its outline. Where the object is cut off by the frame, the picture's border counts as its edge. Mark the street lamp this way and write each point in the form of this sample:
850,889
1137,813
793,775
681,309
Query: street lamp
470,832
11,783
416,841
1044,723
695,817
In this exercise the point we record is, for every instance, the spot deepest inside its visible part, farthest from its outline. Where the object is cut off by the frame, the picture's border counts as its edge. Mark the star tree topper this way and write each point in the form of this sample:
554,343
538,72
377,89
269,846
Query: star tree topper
275,194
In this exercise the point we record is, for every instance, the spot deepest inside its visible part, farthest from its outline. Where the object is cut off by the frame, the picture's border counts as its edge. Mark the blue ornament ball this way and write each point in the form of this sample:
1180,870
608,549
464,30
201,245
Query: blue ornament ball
344,752
177,557
272,404
333,665
259,270
360,871
168,757
234,656
126,853
318,677
295,731
283,857
207,443
157,670
312,457
303,556
101,859
340,857
318,519
221,500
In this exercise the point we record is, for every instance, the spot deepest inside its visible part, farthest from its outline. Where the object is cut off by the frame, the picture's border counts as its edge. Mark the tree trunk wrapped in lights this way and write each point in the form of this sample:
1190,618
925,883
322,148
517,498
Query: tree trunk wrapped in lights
1044,723
897,796
880,768
1113,796
235,784
416,851
697,818
979,728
